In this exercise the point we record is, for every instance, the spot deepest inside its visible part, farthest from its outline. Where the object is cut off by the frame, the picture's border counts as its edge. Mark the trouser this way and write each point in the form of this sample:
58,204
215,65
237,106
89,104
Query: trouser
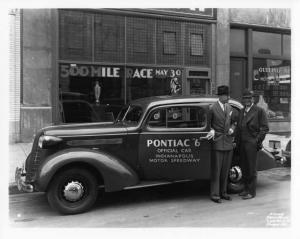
248,164
220,165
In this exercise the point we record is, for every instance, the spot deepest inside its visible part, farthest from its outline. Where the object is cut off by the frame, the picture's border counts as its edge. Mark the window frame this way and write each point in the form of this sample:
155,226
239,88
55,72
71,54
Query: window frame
164,43
191,45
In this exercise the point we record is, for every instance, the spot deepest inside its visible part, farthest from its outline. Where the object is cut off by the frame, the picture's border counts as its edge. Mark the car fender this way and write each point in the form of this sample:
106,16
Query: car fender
265,160
116,174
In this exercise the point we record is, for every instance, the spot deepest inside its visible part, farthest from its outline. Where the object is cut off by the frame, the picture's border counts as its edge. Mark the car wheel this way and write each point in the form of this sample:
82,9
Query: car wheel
235,184
73,191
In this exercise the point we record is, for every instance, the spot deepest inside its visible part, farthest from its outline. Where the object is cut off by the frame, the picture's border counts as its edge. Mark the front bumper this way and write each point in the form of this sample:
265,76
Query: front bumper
20,181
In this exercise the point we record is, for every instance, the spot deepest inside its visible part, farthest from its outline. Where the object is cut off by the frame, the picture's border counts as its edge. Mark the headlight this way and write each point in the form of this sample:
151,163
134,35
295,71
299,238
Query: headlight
46,141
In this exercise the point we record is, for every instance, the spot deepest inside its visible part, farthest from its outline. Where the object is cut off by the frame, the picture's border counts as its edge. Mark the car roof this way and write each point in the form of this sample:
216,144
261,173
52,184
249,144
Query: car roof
152,101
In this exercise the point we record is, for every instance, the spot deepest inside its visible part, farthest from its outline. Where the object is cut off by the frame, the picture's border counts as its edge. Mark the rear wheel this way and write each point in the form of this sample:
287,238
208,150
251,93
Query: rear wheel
235,184
73,191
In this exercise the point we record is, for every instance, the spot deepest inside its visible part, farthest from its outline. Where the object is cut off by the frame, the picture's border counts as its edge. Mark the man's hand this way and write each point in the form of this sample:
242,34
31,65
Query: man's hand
230,131
210,134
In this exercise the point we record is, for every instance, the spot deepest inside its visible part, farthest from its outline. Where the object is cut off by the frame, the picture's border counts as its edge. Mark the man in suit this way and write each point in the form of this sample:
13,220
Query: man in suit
252,129
222,129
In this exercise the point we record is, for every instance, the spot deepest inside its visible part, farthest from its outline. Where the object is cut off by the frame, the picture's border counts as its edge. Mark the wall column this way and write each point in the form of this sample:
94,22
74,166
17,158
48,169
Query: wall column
222,48
37,61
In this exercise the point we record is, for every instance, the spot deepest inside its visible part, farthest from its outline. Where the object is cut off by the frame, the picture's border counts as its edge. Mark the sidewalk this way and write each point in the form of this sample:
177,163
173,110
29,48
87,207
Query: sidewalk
17,155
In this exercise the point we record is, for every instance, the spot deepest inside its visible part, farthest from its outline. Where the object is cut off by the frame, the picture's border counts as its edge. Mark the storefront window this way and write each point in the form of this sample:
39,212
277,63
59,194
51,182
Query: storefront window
145,81
272,85
237,41
265,43
90,93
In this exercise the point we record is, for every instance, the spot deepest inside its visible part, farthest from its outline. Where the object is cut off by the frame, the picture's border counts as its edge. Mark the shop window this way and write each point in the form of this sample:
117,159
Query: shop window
265,43
169,43
90,93
196,44
237,41
153,81
272,85
287,45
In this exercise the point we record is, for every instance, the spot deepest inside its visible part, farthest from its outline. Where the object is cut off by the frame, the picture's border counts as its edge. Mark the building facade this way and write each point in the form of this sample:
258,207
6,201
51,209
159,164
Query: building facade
82,65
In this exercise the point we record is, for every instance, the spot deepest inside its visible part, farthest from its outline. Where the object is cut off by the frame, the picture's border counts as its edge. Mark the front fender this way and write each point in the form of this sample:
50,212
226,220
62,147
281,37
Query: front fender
116,173
265,160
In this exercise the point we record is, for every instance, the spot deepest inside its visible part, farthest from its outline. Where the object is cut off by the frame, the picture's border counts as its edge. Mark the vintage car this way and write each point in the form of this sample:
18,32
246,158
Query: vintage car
153,141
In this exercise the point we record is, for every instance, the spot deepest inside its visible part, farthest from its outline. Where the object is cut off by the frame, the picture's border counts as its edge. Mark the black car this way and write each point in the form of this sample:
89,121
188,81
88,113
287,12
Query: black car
153,141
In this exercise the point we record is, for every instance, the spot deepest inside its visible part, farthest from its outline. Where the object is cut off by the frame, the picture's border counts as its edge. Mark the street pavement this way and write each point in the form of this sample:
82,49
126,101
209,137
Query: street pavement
180,205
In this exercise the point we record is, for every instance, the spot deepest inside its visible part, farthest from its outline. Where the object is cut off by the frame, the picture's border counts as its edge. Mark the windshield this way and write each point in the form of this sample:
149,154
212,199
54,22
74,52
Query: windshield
130,114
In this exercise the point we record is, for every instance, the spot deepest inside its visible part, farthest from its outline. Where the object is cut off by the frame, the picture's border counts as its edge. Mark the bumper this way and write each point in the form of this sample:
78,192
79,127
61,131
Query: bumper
20,180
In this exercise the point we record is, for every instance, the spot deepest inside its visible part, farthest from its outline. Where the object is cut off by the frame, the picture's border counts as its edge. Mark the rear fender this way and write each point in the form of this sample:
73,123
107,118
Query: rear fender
116,174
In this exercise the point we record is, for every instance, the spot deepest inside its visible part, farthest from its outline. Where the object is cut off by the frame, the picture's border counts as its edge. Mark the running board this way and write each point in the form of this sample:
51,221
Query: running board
144,184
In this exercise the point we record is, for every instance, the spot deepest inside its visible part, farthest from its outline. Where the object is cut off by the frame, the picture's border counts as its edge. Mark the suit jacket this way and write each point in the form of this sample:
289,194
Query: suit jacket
221,122
256,124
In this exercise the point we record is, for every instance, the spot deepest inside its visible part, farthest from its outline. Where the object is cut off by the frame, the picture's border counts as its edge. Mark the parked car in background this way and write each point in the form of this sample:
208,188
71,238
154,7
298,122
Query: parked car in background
76,108
280,147
153,141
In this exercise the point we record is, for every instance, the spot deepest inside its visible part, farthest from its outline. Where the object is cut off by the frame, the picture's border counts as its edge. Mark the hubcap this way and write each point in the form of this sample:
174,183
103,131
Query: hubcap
73,191
235,174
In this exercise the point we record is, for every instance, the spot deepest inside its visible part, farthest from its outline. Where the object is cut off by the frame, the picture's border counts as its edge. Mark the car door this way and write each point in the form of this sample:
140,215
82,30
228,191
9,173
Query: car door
172,143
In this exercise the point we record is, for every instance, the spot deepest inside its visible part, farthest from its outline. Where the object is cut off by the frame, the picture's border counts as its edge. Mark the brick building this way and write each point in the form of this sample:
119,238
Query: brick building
82,65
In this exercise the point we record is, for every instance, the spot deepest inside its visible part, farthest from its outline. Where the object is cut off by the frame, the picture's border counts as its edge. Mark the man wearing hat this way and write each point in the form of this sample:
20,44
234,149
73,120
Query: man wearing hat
222,128
251,131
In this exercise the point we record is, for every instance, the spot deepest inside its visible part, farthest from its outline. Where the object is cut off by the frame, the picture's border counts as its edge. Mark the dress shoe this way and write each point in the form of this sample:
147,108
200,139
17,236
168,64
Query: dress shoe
244,193
216,200
248,196
226,197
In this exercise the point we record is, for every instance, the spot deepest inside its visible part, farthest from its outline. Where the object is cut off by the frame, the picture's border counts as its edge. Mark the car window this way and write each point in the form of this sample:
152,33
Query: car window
178,117
158,119
133,115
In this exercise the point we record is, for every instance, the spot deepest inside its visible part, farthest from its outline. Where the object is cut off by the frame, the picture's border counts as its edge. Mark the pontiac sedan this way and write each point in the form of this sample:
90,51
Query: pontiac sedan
153,141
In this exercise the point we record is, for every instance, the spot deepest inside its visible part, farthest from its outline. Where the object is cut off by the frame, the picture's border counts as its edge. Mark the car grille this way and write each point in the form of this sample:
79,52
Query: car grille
31,173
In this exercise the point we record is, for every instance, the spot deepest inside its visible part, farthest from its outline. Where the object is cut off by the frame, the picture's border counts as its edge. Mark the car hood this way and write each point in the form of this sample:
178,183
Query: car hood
84,129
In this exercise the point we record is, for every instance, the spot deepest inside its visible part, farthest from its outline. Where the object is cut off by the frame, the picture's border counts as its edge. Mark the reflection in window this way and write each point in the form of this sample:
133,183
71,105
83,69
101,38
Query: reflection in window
266,43
272,85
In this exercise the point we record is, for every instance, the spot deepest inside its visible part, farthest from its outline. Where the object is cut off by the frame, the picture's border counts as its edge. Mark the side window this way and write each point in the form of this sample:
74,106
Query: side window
186,117
157,119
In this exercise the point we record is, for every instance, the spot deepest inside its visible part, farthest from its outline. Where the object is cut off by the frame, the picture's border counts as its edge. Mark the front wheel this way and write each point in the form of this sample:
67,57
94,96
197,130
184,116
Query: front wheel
235,184
73,191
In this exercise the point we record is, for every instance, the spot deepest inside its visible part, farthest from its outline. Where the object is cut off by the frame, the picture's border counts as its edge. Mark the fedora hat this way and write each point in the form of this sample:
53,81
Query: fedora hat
223,90
248,93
